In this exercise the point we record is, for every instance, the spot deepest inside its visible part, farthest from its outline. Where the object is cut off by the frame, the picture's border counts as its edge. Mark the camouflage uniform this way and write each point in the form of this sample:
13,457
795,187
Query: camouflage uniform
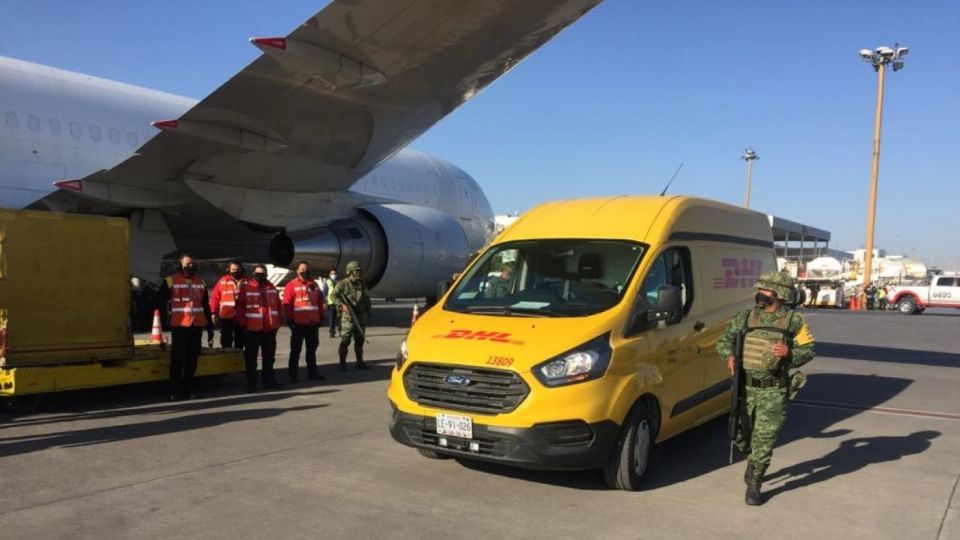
765,409
355,294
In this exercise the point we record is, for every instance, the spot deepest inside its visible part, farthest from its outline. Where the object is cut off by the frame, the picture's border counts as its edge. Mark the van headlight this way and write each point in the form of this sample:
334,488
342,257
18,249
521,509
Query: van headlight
583,363
402,354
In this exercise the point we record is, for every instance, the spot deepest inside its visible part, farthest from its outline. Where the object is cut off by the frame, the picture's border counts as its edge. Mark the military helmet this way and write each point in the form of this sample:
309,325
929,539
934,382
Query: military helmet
353,266
778,282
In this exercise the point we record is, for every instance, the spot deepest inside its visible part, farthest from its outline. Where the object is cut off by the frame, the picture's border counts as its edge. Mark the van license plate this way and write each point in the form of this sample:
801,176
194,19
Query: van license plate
455,426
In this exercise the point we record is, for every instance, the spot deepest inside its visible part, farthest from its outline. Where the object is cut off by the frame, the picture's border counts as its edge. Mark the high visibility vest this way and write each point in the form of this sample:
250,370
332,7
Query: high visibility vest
261,308
328,286
228,289
186,301
306,302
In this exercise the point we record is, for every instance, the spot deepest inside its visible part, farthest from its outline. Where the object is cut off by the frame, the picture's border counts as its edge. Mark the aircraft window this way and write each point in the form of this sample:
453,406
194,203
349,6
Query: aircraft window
75,130
114,136
55,126
132,139
95,133
11,119
33,123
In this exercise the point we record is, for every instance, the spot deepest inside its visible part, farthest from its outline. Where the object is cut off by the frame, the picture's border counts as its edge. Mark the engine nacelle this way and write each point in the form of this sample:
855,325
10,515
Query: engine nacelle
404,249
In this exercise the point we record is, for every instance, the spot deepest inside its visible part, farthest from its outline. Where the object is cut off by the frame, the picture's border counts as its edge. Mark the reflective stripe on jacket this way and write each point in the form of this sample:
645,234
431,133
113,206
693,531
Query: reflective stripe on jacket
258,308
303,302
223,299
186,301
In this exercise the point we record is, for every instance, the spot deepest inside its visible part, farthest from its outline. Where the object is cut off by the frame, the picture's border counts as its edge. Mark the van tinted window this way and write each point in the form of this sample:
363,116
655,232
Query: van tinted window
672,267
945,282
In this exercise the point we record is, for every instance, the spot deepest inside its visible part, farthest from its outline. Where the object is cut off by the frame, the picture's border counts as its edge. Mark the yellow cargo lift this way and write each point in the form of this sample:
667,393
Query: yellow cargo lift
70,329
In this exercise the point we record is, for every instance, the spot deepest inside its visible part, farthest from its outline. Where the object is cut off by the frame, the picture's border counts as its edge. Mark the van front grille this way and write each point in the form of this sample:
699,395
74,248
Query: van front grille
480,390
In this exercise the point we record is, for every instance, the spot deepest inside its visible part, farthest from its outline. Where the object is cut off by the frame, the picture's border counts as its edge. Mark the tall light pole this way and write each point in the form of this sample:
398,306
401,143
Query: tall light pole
878,58
749,156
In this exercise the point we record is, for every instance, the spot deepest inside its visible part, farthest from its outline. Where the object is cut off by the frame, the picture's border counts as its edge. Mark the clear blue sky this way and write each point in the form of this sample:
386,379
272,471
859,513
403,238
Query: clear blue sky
614,103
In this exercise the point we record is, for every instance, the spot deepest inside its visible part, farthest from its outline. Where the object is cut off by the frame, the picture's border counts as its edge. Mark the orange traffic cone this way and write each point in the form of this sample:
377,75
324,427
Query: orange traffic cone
416,313
156,334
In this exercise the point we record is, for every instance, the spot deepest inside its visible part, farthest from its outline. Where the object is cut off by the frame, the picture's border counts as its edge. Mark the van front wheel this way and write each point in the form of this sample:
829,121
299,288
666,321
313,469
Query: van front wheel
630,460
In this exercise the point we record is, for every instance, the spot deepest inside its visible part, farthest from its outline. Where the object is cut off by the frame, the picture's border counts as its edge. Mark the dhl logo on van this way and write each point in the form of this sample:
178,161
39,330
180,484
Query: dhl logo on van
479,335
738,273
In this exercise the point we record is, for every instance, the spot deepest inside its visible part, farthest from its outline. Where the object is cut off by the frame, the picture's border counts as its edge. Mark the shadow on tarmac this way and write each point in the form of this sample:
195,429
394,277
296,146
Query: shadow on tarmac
108,434
851,456
706,448
887,354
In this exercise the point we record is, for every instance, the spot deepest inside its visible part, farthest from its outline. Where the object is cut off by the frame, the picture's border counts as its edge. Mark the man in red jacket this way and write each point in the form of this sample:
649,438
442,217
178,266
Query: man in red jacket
223,306
185,294
303,307
258,312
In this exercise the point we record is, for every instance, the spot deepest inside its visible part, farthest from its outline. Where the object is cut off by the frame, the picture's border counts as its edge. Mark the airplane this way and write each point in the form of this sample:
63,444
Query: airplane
302,155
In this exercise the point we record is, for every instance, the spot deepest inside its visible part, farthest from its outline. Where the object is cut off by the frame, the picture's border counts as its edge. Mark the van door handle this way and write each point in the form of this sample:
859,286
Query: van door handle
699,325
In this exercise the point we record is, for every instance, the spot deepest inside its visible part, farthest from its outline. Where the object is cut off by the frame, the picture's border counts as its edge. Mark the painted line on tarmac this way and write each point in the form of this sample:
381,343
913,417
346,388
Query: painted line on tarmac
878,410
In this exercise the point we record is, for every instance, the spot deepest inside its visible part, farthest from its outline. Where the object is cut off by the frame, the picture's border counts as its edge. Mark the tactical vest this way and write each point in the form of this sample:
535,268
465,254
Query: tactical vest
758,339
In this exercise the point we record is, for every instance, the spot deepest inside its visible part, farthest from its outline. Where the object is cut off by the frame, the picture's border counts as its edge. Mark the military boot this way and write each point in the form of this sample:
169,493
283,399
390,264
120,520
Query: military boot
753,496
343,355
360,362
748,474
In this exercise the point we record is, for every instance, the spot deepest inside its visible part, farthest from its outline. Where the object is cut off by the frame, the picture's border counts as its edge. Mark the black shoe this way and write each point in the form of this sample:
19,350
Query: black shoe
272,385
343,367
361,365
251,389
753,496
316,377
173,397
294,379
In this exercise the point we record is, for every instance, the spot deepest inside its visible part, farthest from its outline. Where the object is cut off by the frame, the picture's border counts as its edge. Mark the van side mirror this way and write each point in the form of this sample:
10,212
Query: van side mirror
669,306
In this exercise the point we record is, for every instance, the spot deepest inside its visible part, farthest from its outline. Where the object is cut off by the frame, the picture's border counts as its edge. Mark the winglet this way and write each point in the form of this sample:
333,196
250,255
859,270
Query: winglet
72,185
164,124
274,42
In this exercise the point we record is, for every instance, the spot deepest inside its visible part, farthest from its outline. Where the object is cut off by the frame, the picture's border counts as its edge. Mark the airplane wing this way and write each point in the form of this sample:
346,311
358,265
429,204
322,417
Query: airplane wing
324,105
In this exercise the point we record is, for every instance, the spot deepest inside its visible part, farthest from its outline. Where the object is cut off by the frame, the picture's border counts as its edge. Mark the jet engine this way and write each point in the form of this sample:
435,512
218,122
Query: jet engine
403,249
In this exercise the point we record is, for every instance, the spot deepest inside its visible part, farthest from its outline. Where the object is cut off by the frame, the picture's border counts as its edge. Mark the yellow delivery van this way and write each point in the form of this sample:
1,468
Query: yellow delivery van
583,335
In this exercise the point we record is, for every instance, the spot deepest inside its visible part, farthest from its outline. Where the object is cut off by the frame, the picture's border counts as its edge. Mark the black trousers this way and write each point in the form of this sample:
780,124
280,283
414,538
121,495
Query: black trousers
298,335
184,353
357,346
264,343
334,313
231,334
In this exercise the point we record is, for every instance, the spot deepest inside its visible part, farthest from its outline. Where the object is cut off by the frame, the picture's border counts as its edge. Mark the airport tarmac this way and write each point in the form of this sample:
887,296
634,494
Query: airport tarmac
871,450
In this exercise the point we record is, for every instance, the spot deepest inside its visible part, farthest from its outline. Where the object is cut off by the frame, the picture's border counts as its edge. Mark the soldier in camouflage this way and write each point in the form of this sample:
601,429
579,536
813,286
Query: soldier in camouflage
775,339
353,301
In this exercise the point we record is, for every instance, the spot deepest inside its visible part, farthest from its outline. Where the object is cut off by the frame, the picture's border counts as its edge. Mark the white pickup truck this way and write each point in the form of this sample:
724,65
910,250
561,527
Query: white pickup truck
943,291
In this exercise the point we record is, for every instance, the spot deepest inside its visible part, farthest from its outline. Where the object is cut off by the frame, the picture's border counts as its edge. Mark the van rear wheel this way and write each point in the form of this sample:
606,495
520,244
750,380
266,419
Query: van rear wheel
630,460
432,454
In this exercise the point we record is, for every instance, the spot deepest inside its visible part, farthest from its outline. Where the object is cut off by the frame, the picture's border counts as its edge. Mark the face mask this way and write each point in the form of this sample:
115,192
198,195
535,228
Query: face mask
304,275
764,300
190,269
261,278
236,274
333,277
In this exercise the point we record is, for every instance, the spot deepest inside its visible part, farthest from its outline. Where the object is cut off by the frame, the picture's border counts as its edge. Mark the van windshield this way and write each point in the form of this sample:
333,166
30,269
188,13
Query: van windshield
547,278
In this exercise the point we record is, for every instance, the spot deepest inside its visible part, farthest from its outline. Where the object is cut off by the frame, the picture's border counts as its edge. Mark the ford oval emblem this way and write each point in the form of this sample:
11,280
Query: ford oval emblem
456,380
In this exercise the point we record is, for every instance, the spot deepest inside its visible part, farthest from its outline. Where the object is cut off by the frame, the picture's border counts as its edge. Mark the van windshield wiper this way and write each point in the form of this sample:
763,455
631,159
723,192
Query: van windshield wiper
511,311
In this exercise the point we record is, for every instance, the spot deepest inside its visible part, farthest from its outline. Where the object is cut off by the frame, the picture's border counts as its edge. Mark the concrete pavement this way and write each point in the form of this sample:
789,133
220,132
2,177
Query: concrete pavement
871,450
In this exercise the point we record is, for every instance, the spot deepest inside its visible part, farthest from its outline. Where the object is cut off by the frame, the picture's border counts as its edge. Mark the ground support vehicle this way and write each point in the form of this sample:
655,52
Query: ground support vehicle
943,291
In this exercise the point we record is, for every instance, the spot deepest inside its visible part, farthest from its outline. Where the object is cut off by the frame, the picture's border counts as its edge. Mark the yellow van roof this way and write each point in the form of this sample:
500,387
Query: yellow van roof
641,218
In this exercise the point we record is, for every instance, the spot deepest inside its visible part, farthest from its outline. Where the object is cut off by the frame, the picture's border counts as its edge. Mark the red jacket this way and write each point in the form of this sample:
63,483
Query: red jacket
223,299
303,302
186,301
258,307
